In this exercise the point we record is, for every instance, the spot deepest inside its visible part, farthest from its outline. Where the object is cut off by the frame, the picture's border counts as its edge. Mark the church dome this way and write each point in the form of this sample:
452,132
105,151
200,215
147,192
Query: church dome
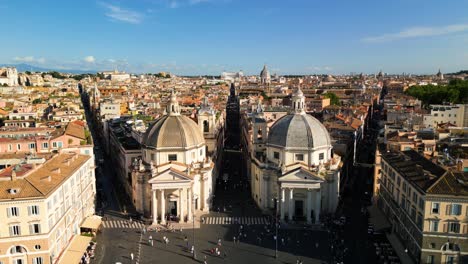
173,130
265,73
298,131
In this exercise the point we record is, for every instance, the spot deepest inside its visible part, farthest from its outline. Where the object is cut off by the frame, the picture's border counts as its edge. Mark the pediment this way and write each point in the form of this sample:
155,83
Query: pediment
300,175
170,175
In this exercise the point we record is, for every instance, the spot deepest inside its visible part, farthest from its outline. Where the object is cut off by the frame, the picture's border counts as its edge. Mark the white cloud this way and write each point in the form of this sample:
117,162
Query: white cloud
89,59
174,4
29,59
121,14
415,32
327,68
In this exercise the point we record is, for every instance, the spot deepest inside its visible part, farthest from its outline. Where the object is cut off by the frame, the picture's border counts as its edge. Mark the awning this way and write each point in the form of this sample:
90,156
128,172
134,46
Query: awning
75,250
92,222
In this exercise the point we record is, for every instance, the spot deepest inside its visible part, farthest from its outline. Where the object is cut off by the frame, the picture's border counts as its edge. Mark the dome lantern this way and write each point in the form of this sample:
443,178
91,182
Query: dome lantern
298,102
173,106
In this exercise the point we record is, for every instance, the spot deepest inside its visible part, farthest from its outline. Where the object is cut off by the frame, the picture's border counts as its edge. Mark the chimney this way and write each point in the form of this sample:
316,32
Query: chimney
13,175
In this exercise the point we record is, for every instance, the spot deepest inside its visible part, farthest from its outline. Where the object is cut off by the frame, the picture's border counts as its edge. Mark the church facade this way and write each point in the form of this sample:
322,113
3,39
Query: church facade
293,168
174,177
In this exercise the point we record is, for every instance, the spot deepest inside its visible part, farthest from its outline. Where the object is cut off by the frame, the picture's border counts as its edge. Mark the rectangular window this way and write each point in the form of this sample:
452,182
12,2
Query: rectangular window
33,210
421,203
54,144
430,259
435,208
153,157
321,156
454,227
276,155
404,187
32,145
172,157
15,230
10,148
45,145
398,181
415,198
12,211
38,260
35,228
434,226
300,157
49,205
18,146
419,221
456,209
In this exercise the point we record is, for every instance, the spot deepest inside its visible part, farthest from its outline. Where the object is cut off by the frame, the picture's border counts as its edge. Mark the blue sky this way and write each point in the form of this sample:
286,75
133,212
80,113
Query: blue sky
209,36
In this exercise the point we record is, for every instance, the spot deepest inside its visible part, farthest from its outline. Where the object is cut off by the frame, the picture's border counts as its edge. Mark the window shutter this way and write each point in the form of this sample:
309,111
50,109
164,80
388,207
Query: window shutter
11,230
445,228
37,209
8,212
29,210
31,229
448,209
465,231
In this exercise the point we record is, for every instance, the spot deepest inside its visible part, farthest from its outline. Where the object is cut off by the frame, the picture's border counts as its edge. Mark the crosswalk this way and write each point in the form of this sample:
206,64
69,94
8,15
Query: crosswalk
122,224
242,220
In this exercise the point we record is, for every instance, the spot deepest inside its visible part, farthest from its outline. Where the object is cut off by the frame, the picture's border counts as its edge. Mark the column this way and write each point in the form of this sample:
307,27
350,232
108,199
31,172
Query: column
309,206
155,208
163,208
178,203
189,204
283,204
291,204
318,200
182,215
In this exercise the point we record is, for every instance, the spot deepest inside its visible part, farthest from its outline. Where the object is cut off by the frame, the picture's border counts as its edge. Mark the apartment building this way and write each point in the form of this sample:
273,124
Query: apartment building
42,206
426,205
453,114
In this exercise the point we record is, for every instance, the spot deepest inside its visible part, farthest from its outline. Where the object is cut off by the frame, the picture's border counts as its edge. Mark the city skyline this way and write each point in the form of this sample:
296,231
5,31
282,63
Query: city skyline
195,37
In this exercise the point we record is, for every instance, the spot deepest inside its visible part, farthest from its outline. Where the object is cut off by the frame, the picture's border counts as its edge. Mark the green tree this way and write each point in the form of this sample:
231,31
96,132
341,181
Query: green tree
334,99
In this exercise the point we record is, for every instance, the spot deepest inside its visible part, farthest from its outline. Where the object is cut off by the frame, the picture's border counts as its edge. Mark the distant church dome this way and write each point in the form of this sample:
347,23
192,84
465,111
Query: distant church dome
173,130
298,130
265,76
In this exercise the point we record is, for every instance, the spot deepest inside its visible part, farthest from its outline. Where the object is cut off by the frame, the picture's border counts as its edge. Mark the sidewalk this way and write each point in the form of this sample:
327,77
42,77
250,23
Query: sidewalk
399,249
380,222
190,225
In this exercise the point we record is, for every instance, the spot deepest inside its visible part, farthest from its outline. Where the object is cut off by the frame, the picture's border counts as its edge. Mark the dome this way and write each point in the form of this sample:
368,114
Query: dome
173,131
265,73
298,131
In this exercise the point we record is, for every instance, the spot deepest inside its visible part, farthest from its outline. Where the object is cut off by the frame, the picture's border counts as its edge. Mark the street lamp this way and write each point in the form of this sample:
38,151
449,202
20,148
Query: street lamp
276,227
193,227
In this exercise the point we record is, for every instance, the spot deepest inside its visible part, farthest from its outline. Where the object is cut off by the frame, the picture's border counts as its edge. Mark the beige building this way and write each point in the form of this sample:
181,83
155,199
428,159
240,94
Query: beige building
173,180
42,207
292,165
426,205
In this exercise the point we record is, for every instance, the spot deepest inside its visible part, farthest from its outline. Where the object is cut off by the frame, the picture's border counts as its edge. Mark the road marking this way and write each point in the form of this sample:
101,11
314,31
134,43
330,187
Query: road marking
223,220
122,224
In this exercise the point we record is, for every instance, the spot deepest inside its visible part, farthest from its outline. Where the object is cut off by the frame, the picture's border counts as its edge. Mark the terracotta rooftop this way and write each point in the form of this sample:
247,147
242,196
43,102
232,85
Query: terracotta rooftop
41,181
75,130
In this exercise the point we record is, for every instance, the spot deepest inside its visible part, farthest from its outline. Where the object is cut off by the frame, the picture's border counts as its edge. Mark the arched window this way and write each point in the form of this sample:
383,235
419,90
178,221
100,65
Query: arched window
206,126
259,133
17,250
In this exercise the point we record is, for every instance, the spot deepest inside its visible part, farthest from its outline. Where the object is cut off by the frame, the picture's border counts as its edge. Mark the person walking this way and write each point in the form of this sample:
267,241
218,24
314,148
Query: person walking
131,256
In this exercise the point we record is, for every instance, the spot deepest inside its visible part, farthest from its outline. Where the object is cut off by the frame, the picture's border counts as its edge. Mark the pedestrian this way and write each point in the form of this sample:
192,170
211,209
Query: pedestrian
234,239
219,241
131,220
131,256
316,245
192,249
144,230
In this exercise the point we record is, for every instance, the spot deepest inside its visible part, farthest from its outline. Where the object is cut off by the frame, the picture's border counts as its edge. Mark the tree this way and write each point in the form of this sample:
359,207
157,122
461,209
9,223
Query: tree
334,99
455,92
37,101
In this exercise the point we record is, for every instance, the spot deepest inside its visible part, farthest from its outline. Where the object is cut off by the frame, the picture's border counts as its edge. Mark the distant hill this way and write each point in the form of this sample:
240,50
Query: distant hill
22,67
